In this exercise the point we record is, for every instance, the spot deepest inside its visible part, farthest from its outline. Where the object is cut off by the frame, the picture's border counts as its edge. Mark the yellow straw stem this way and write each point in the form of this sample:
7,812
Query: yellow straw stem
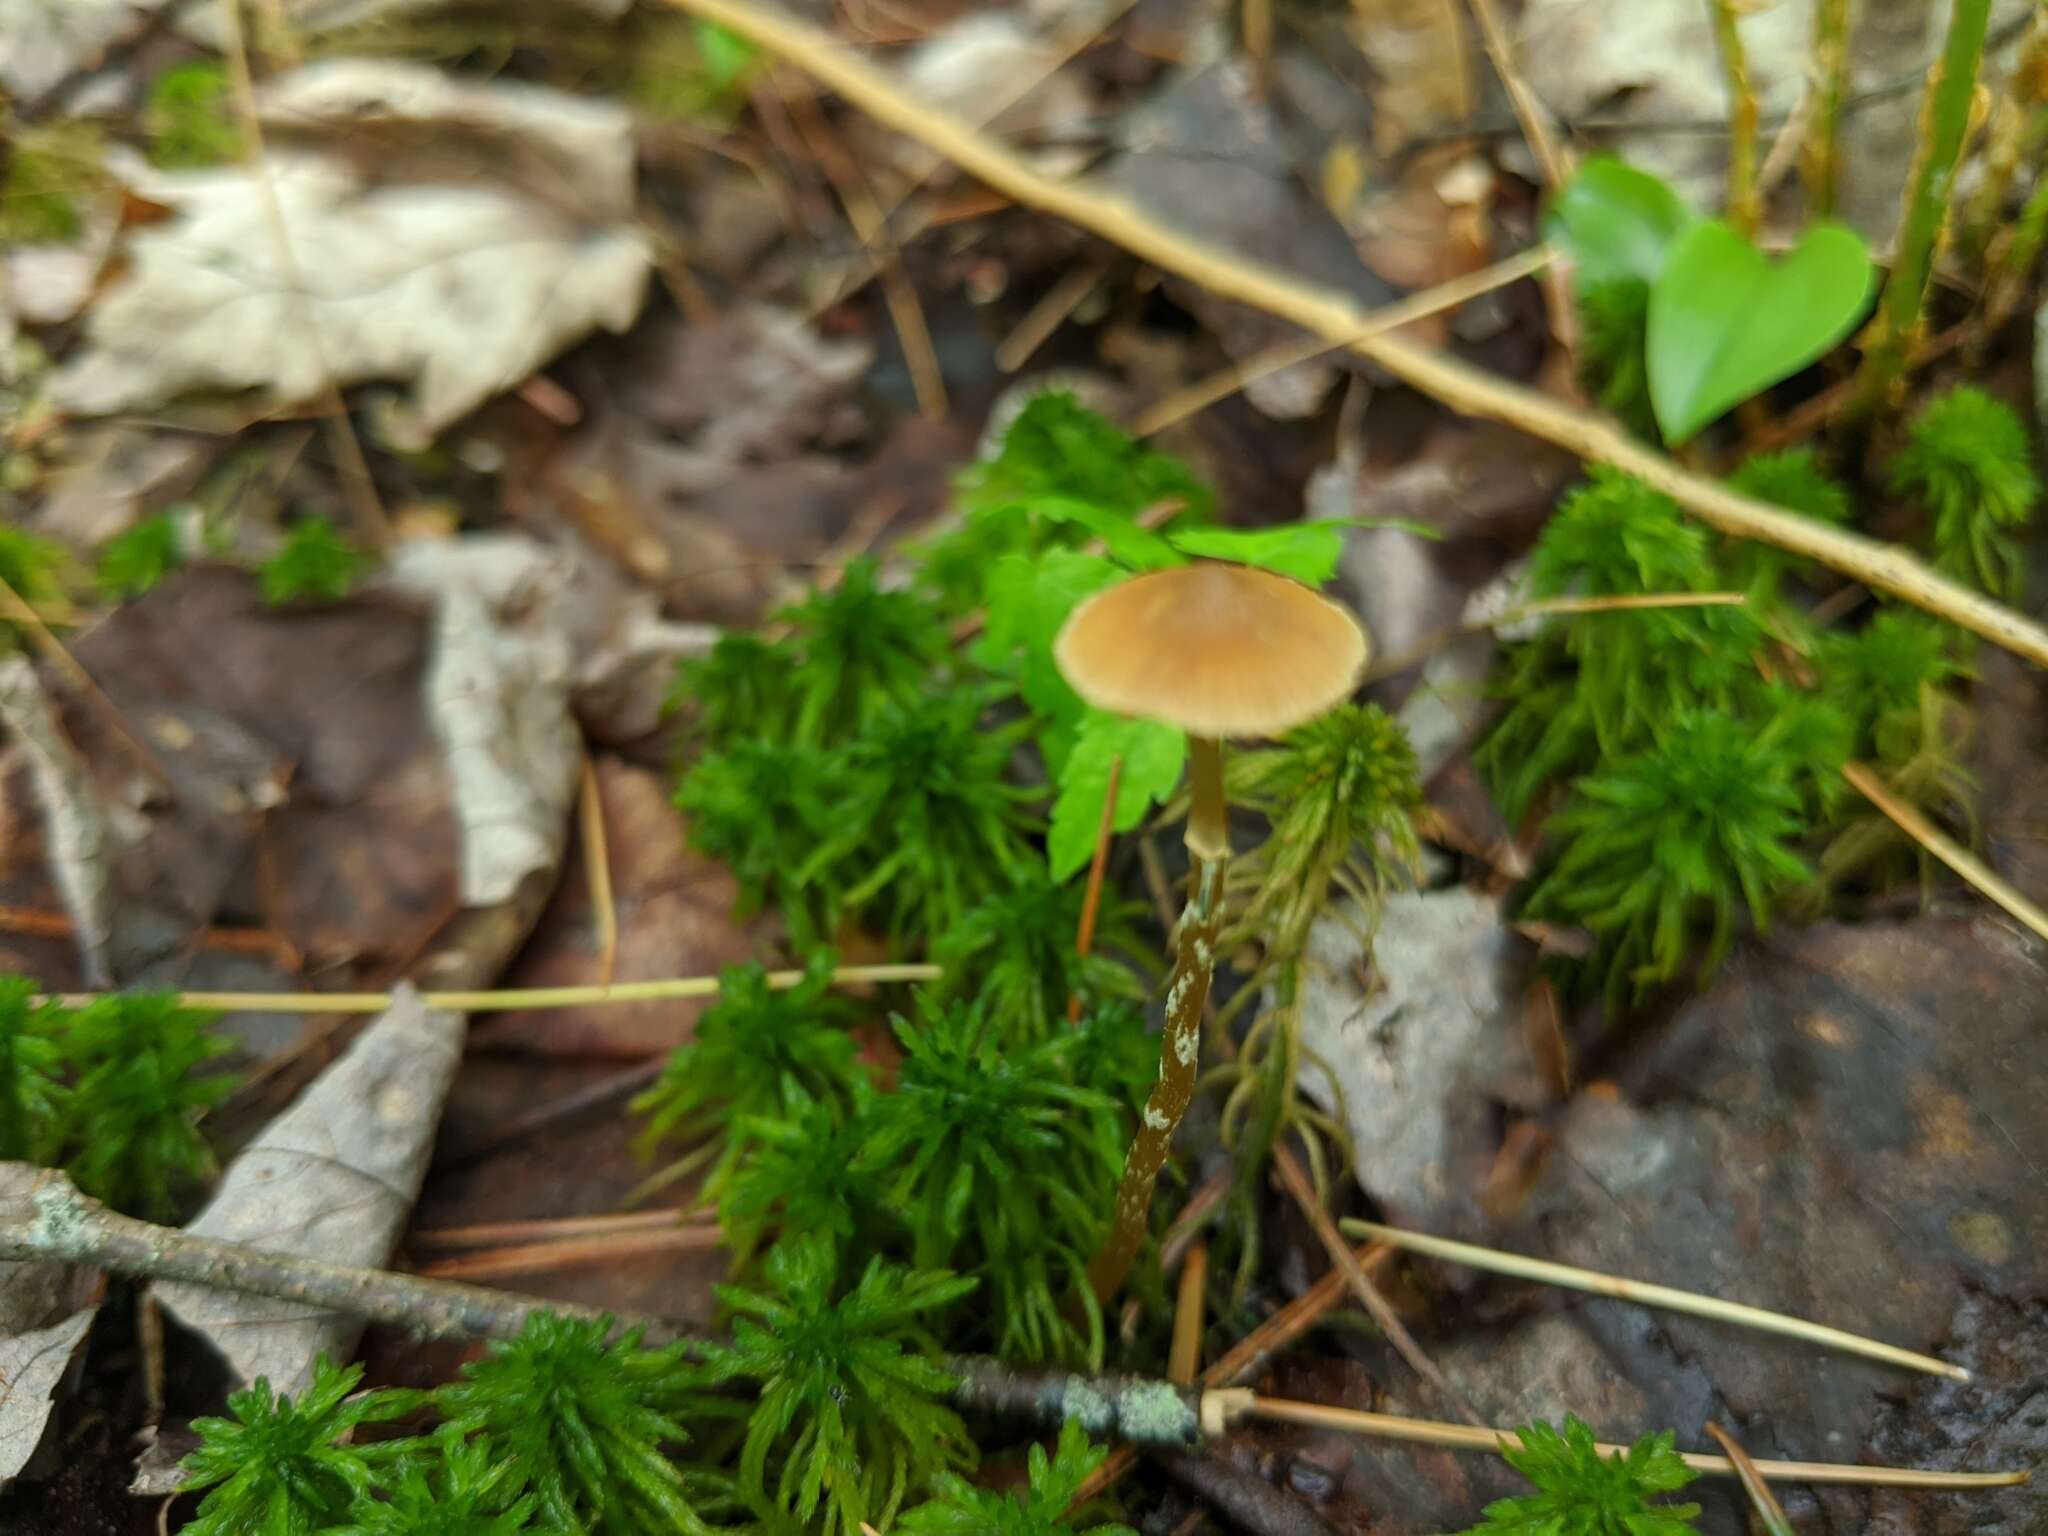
1945,848
516,997
1665,1296
1388,1426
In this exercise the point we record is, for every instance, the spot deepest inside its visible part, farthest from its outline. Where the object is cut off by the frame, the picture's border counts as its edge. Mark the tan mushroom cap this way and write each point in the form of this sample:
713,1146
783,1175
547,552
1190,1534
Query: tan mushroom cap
1218,650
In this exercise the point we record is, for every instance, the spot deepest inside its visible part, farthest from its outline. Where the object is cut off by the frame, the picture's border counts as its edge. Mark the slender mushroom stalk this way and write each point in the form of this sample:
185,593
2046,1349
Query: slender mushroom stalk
1218,651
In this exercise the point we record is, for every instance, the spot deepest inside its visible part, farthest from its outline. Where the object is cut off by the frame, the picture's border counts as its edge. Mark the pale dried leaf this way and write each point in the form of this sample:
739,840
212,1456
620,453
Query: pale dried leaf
333,1178
40,1331
461,285
1425,1048
81,838
497,691
42,41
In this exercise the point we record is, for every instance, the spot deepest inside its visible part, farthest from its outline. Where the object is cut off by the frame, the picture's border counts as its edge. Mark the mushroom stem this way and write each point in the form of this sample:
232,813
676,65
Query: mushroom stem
1208,833
1180,1044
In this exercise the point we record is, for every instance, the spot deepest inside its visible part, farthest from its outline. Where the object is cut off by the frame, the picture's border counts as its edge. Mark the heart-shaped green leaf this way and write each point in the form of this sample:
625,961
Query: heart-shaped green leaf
1725,323
1615,222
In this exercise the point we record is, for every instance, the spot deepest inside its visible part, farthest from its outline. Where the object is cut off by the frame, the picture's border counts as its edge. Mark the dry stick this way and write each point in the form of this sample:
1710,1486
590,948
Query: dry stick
544,1258
372,525
597,867
1944,122
512,997
1184,1356
1048,315
1958,858
1457,384
15,607
1555,163
861,211
1766,1504
51,1220
1362,1287
1246,1358
1821,162
232,941
1645,1294
1225,382
1742,197
1098,866
494,1234
1785,147
1458,1437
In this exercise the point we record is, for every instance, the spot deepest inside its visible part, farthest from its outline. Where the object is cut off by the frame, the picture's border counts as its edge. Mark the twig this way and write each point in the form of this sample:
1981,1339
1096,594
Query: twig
861,211
1534,118
52,1220
1766,1504
1742,197
1988,881
1048,315
14,607
230,941
1256,17
1368,1294
1225,382
492,1234
512,997
1390,1426
1098,865
572,1253
1184,1358
1786,146
1644,1294
1464,388
1821,163
372,525
597,867
1944,122
43,1217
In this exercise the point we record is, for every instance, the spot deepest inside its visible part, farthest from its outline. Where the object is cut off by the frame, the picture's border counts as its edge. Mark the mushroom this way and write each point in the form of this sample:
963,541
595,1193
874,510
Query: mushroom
1219,651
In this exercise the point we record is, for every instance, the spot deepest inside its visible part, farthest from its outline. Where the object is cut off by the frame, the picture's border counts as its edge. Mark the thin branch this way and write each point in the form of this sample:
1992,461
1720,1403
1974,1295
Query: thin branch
1909,820
493,1234
573,1253
597,867
919,355
1537,128
1361,1285
43,1217
509,998
1389,1426
15,607
1225,382
1572,1278
1190,1312
1768,1510
1461,386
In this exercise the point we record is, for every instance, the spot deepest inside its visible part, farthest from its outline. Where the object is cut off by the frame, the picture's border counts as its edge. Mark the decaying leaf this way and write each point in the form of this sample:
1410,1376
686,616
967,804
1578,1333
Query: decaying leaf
42,41
42,1323
497,691
457,283
1427,1046
332,1178
78,833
